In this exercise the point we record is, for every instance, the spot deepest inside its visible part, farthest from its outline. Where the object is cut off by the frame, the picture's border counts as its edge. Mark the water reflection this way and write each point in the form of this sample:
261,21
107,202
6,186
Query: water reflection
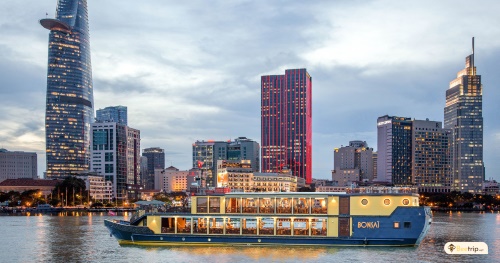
83,238
272,253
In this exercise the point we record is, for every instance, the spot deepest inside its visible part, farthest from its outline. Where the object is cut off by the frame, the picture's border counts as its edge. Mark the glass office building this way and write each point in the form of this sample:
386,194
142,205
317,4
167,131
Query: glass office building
69,105
463,114
112,114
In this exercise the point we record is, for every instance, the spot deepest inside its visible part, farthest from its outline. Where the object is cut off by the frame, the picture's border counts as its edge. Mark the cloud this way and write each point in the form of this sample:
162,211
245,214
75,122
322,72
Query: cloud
191,71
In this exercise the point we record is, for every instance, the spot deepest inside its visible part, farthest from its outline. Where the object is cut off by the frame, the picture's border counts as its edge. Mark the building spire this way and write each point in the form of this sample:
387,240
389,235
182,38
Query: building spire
472,58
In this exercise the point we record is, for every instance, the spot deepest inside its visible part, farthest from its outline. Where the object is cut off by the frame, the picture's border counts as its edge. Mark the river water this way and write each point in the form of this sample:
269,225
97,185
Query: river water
83,238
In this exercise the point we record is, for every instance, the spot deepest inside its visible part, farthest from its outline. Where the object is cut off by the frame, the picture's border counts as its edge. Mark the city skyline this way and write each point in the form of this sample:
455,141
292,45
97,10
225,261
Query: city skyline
364,65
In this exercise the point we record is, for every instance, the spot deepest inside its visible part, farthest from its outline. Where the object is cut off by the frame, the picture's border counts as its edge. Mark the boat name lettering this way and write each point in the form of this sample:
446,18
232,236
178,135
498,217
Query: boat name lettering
375,224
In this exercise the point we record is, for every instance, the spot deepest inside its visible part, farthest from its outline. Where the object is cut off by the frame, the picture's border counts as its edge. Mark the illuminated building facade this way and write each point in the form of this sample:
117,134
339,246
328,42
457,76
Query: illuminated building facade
414,153
286,123
69,105
394,148
172,179
431,157
463,114
207,153
116,156
112,114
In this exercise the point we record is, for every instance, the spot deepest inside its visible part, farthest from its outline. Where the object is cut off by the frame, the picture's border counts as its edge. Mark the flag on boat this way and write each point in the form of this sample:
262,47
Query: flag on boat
111,213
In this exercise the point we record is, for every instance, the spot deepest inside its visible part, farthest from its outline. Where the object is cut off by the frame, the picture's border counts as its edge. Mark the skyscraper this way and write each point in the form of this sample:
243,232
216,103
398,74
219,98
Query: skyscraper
112,114
286,123
394,149
463,114
116,156
69,108
413,153
156,160
431,168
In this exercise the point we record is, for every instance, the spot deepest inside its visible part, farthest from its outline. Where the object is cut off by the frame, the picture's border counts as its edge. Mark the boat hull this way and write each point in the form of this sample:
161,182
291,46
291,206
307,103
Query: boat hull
141,235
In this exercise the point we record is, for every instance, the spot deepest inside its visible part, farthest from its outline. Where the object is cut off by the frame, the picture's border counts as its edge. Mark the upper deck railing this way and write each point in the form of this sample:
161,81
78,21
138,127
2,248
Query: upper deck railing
382,190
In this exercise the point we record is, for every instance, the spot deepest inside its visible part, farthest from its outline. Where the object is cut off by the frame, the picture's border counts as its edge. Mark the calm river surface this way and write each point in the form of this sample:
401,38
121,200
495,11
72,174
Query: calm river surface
85,239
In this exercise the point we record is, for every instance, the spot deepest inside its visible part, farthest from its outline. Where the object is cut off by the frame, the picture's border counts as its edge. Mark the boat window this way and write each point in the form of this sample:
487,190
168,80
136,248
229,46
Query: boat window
266,226
233,205
199,225
183,225
249,226
300,227
301,205
250,205
233,226
407,225
283,226
284,205
216,225
318,226
396,224
406,201
319,206
214,205
266,206
167,225
201,204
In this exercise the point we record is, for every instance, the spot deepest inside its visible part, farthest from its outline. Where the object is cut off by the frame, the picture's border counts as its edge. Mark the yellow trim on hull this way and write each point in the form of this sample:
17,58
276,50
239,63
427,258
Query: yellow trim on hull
211,244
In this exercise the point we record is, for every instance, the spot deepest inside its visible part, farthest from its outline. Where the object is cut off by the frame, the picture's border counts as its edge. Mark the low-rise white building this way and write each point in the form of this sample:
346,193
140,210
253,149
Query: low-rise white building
172,179
99,188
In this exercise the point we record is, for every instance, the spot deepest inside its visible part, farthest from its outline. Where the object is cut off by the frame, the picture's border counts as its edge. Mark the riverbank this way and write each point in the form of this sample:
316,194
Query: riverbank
27,210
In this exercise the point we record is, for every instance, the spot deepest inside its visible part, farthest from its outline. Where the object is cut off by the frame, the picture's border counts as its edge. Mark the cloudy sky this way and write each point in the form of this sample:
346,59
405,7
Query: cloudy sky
190,70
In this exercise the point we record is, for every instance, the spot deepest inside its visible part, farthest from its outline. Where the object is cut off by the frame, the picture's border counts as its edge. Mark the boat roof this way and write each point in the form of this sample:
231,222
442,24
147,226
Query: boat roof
313,194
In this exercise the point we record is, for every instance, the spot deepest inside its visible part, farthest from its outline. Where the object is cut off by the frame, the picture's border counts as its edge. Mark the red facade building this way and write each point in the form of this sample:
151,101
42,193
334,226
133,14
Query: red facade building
286,123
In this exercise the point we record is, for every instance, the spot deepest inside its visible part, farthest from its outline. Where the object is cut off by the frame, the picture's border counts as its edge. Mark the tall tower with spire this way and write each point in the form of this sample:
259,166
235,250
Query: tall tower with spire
69,104
463,114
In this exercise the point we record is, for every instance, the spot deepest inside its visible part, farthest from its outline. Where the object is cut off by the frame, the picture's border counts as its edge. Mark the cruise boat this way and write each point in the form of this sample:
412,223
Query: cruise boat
360,218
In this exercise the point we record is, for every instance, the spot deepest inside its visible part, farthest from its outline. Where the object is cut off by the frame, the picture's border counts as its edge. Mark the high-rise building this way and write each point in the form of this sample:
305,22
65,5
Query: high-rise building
205,156
357,156
116,156
414,153
286,123
463,114
394,150
112,114
431,166
244,149
155,157
69,109
15,165
207,153
144,172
